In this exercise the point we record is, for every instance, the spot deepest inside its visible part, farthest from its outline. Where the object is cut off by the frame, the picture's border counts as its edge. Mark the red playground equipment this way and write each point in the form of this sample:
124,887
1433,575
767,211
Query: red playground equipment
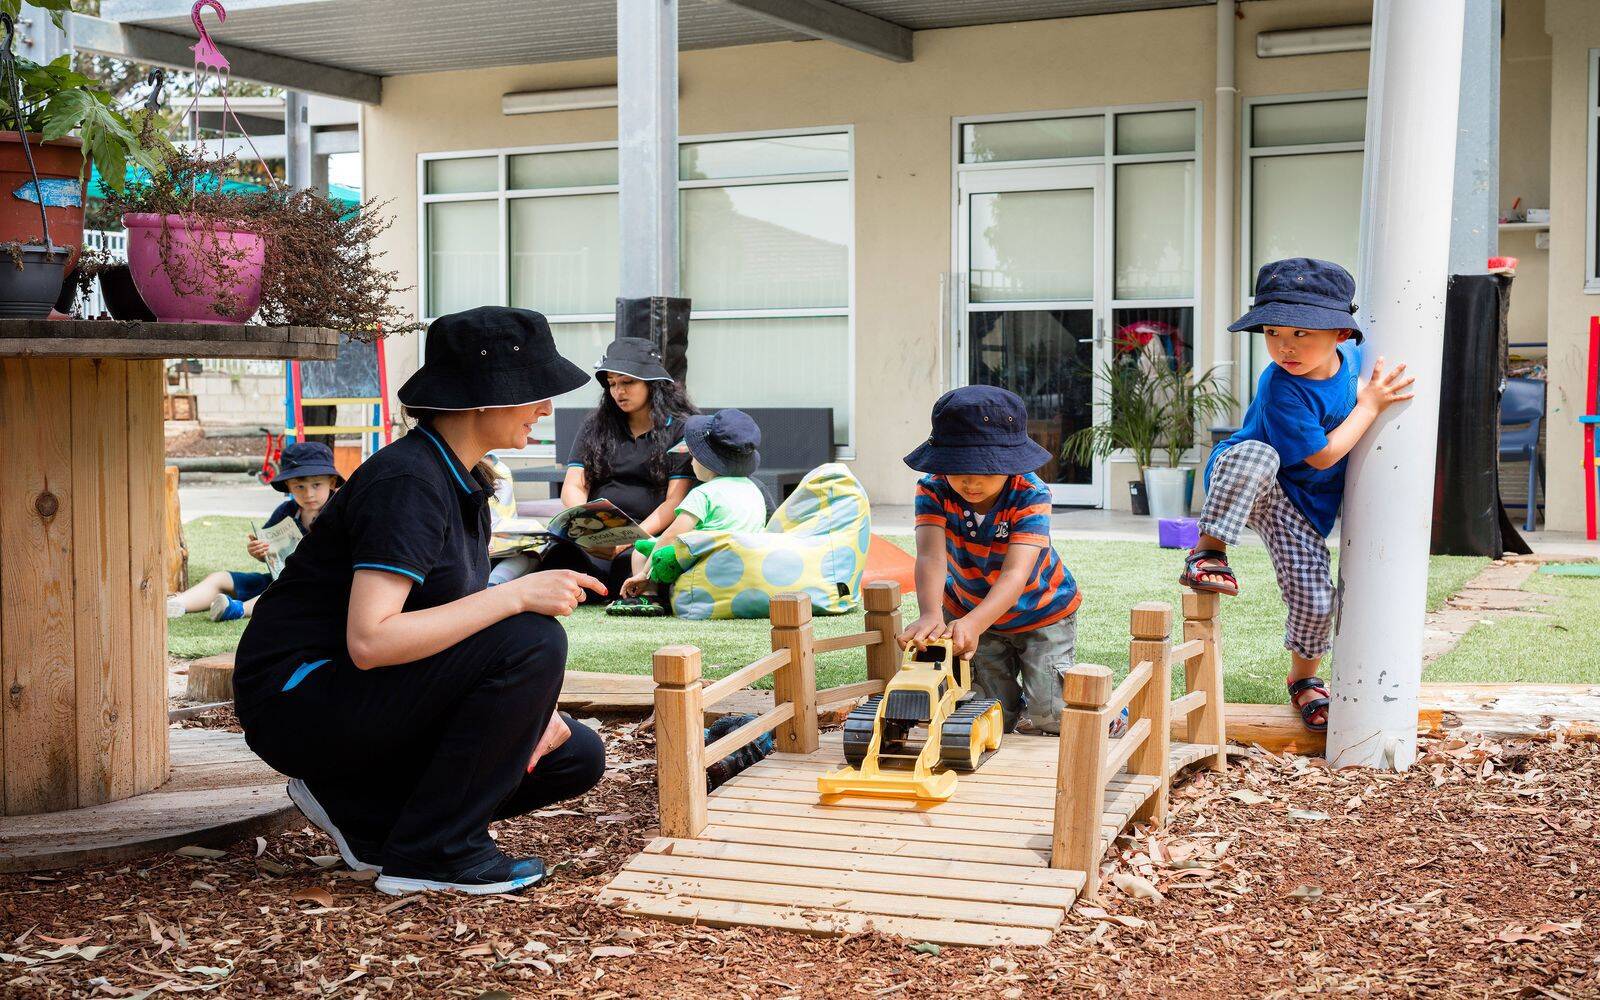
1590,418
359,377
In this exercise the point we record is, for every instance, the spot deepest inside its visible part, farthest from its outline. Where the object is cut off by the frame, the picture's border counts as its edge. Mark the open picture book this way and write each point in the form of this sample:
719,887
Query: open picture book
596,526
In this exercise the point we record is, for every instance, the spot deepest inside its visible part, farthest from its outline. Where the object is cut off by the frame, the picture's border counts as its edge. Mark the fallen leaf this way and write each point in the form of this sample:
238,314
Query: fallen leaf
64,941
196,851
1308,815
1306,892
312,894
324,860
611,951
1249,797
1137,886
261,846
925,948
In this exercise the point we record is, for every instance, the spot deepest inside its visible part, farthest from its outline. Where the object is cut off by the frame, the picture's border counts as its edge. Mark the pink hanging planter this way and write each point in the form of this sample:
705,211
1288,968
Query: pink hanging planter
205,274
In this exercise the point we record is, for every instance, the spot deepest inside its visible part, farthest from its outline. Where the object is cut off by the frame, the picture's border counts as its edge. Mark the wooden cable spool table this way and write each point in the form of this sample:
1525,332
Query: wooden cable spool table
83,629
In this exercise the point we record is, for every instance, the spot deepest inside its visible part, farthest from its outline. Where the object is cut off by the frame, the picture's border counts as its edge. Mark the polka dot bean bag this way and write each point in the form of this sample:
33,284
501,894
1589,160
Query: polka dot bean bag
815,543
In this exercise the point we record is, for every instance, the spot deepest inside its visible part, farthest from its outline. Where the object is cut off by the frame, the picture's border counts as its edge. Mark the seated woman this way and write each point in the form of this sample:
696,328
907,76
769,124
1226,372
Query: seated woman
410,704
624,454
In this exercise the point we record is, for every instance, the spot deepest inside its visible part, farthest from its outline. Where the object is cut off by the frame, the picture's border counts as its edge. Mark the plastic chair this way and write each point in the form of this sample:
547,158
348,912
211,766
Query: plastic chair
1522,408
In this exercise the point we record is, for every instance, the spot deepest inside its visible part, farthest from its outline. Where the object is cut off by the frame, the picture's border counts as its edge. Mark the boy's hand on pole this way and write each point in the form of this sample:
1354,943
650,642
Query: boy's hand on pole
1385,388
923,631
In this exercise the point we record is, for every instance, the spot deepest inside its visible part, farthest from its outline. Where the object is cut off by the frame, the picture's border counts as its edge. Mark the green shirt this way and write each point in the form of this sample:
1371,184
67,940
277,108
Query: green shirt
726,503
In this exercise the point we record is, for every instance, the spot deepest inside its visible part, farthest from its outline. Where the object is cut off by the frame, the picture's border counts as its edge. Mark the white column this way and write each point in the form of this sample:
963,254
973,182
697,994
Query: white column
297,141
1223,252
647,132
1475,236
1412,95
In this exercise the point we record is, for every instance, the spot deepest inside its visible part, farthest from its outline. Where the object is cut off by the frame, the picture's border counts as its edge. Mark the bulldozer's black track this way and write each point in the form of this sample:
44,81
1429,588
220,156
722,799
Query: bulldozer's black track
858,728
955,736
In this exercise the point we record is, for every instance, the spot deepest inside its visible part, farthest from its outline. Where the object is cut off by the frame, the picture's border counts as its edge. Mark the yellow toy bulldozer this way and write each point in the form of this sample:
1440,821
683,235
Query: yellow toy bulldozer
926,718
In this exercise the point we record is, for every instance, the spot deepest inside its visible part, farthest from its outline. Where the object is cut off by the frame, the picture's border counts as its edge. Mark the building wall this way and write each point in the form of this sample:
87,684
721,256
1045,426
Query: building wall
902,114
1574,29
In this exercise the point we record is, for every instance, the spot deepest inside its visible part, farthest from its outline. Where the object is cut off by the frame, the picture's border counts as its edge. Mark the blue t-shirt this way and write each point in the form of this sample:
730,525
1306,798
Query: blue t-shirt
286,509
1293,414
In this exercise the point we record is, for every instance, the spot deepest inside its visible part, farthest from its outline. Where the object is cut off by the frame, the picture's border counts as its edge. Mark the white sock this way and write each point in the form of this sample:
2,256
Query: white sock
509,569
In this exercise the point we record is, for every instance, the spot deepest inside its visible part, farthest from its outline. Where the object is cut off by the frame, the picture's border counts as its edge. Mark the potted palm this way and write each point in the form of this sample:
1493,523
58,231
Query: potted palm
1154,405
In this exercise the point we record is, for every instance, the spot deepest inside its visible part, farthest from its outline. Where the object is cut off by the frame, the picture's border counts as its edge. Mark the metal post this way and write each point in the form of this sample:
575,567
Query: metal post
1223,252
647,154
1475,230
297,141
1413,92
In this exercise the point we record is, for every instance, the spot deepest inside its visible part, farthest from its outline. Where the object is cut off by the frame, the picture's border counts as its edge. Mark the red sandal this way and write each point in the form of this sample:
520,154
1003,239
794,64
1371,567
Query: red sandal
1193,572
1309,710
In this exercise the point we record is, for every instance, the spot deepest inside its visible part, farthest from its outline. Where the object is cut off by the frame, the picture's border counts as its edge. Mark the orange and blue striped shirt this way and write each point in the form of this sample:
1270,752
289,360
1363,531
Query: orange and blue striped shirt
975,549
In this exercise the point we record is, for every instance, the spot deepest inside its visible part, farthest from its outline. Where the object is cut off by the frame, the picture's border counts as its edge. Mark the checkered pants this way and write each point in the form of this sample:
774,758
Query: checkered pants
1245,491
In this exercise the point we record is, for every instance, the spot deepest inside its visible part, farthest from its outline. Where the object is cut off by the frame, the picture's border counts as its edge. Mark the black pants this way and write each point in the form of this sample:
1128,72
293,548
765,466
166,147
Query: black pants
420,757
611,572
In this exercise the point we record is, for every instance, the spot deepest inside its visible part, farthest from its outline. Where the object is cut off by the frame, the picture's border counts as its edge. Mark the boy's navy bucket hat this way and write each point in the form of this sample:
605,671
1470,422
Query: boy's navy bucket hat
487,357
1304,293
725,442
634,357
305,458
979,430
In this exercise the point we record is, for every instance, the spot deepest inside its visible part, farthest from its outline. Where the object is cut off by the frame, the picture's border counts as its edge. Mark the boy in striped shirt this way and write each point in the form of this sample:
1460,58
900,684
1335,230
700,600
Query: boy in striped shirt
987,576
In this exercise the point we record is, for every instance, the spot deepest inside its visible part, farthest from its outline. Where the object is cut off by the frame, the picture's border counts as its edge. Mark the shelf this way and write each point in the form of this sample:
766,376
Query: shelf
103,338
1525,225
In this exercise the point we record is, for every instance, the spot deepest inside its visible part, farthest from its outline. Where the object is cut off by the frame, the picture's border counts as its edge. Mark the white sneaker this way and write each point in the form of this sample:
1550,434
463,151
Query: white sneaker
175,608
308,804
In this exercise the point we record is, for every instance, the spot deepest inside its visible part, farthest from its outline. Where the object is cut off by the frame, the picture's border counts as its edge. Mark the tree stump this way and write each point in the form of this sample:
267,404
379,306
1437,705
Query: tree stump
211,679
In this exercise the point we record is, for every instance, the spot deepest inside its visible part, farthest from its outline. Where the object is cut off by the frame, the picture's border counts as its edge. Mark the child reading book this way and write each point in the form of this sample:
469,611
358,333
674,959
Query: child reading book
308,475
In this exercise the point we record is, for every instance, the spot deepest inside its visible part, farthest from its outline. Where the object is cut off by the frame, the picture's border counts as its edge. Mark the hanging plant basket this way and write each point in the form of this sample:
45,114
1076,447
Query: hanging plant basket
195,271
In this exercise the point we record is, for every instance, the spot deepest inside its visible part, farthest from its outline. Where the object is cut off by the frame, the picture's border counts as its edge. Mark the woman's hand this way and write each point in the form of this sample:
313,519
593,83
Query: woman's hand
554,592
257,548
555,734
923,631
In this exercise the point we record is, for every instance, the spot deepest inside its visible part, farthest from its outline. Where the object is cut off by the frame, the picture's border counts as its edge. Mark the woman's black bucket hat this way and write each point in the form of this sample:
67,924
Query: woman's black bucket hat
1304,293
634,357
487,357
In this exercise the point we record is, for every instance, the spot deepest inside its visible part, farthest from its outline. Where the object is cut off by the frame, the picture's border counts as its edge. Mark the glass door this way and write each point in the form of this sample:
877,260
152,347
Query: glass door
1029,317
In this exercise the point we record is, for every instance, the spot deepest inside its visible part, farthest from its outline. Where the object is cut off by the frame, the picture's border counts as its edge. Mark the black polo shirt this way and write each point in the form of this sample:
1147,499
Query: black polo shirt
632,486
412,509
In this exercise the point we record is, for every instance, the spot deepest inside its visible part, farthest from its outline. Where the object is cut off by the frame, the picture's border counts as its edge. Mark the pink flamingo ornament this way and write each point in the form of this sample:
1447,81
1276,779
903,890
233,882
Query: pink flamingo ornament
206,53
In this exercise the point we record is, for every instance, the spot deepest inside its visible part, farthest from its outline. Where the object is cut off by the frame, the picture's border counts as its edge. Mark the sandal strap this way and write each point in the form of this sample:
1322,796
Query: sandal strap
1307,684
1197,556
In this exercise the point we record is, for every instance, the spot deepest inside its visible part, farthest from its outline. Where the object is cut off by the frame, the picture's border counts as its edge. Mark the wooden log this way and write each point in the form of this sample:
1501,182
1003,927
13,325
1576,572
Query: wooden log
882,600
1081,756
1278,727
177,547
1150,625
680,741
1208,723
210,679
796,681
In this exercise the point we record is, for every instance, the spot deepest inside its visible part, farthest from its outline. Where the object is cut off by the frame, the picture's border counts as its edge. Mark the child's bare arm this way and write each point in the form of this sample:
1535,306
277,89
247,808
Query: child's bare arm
930,574
1382,391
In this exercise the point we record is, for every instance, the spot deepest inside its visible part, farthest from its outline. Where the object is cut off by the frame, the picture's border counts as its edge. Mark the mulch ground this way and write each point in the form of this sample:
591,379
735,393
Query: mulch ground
1475,874
195,444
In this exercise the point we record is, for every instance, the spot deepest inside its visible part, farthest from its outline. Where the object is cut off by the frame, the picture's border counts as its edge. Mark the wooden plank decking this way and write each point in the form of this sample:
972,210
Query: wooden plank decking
973,870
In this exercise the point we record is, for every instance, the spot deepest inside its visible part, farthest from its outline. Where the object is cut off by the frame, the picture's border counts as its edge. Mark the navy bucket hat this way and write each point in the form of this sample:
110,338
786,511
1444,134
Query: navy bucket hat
1304,293
979,430
725,442
305,458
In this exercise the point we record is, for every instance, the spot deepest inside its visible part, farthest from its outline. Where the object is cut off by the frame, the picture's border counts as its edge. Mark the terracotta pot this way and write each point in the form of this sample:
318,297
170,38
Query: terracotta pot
58,162
197,295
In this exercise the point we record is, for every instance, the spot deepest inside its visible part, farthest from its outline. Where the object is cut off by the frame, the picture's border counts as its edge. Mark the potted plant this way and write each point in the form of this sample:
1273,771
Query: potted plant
1154,405
70,122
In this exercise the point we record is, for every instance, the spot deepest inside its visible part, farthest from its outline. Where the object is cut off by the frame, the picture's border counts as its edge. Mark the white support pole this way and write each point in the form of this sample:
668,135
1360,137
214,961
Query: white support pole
1475,235
647,154
297,141
1222,256
1413,94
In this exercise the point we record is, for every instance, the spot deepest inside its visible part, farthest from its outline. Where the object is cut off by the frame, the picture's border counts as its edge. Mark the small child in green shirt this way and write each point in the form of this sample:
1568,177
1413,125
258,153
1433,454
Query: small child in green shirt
723,449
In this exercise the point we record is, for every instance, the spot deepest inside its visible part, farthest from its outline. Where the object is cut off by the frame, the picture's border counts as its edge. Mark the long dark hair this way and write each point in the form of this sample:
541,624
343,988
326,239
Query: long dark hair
607,426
